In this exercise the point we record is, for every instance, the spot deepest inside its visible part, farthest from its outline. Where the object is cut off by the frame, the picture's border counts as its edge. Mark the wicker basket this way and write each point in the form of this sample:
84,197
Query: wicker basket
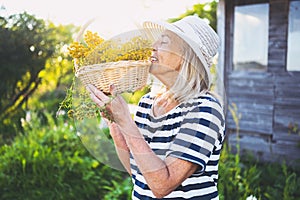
127,76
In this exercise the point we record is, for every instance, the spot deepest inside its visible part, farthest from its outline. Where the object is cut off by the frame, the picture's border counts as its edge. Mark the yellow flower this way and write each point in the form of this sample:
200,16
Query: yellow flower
77,50
95,50
92,40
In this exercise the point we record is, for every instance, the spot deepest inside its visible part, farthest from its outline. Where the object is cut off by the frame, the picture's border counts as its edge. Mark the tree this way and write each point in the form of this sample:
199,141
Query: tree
26,44
58,74
206,11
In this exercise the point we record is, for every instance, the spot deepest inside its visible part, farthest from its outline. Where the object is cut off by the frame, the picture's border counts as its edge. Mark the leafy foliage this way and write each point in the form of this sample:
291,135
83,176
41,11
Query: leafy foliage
242,177
119,190
26,46
49,162
204,10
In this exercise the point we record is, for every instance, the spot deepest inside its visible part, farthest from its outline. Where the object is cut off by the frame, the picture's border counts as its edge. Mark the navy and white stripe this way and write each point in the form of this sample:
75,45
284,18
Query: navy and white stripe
192,131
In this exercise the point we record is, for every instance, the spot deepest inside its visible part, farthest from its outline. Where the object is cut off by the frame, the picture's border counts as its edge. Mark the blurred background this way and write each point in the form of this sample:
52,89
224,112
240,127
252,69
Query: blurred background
41,155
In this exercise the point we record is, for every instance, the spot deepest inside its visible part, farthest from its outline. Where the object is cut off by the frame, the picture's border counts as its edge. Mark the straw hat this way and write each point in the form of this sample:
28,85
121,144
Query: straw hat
195,32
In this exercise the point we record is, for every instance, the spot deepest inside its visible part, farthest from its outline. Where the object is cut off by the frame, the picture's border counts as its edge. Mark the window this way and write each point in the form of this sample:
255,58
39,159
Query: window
293,58
250,41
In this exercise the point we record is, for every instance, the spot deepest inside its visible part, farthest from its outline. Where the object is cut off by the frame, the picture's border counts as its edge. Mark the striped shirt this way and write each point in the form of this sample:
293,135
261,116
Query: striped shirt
192,131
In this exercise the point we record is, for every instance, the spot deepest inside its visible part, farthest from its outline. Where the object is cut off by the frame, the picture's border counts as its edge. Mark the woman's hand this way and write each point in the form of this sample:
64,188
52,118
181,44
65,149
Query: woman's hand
118,109
114,106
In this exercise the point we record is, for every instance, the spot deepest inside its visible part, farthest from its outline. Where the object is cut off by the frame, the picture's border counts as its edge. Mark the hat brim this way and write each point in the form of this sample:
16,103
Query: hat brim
156,28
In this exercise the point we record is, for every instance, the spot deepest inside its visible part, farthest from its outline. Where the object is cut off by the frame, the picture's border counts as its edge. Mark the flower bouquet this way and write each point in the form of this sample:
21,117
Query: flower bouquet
101,63
122,61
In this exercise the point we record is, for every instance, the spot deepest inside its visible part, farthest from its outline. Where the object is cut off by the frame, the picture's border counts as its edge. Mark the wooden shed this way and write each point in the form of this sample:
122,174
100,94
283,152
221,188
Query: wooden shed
260,64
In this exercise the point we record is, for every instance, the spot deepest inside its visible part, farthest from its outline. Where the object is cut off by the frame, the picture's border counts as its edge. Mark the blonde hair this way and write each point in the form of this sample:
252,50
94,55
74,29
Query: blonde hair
192,80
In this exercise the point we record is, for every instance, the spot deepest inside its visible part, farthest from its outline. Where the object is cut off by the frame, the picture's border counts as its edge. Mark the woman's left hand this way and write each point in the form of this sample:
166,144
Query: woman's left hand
115,105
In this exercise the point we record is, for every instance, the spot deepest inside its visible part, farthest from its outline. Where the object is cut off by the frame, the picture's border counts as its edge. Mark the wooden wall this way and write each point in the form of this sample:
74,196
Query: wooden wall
268,102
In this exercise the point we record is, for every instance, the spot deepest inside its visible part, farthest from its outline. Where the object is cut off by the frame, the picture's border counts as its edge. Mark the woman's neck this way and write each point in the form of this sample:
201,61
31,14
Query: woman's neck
163,103
167,79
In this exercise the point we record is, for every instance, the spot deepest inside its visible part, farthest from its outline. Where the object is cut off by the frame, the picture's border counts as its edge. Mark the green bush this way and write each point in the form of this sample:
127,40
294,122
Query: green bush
248,178
49,162
237,180
119,190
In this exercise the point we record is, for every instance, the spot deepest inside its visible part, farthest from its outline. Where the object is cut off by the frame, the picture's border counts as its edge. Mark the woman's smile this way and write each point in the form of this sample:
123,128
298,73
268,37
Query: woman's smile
153,59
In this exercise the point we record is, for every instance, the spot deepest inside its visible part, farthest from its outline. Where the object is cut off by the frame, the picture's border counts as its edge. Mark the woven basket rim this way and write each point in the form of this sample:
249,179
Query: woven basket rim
126,75
112,65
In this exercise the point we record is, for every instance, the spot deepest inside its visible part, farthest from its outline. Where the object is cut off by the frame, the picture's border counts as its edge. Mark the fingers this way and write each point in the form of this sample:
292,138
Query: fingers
97,100
112,90
97,95
102,101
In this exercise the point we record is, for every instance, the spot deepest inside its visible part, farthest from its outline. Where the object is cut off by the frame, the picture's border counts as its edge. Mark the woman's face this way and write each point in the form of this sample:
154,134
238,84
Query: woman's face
167,54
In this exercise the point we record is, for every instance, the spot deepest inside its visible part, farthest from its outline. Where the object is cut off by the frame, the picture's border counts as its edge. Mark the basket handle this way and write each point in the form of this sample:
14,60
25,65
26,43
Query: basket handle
76,67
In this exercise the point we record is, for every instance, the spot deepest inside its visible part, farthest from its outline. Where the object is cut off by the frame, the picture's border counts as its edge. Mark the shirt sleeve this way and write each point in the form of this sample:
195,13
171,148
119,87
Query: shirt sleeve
198,134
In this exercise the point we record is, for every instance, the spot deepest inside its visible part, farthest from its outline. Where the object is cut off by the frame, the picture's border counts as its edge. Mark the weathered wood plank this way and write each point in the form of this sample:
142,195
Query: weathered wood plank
278,6
278,54
277,50
276,63
277,41
278,67
254,143
255,118
278,18
284,137
262,76
287,110
292,78
278,27
283,121
251,92
277,32
288,91
260,83
290,150
264,126
246,2
254,99
287,105
288,101
286,113
288,94
265,149
256,107
287,84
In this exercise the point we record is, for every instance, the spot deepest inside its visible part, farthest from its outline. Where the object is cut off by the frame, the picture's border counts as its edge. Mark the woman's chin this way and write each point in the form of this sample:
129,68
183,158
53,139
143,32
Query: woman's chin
154,68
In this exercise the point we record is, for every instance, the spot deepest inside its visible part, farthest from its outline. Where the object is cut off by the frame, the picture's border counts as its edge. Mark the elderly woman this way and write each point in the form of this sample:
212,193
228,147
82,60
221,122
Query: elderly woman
172,147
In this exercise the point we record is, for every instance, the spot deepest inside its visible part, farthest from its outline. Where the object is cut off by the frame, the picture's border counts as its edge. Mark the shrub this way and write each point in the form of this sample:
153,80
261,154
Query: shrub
237,180
247,178
49,162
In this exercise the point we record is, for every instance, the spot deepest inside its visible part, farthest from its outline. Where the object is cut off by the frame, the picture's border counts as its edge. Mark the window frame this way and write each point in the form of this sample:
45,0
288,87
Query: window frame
229,34
288,32
251,70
